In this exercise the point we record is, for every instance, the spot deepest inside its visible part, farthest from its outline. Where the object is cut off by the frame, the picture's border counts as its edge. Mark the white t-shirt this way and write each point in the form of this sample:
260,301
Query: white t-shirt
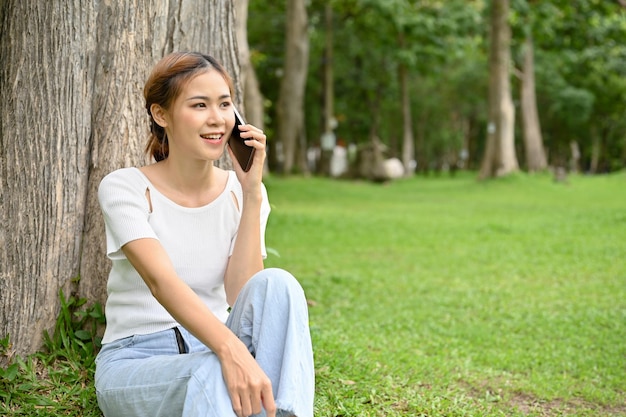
198,240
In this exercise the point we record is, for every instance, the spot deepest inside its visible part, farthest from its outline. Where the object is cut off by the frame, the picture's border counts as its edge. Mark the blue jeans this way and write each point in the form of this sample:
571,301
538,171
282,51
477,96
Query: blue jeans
146,375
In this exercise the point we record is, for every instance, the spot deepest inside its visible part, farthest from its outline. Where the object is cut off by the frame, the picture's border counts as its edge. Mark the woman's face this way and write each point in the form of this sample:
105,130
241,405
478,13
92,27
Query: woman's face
201,119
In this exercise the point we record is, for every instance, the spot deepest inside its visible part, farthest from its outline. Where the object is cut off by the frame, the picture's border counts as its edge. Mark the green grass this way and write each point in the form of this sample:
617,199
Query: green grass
446,297
435,297
59,380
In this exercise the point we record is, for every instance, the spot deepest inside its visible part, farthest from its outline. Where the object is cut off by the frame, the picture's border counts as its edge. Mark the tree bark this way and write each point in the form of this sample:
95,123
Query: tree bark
47,78
72,111
252,100
252,96
408,140
499,158
290,106
533,141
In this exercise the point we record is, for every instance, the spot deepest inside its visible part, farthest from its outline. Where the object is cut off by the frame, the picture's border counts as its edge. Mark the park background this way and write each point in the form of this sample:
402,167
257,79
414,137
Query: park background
488,279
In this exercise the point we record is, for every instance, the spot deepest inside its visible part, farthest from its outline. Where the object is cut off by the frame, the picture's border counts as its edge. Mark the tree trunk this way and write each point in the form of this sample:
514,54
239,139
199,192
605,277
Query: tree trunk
408,141
328,140
533,141
290,106
253,108
72,111
252,97
499,158
47,79
596,151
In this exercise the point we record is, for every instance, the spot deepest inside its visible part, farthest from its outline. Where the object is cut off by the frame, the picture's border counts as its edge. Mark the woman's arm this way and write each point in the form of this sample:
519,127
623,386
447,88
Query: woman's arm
246,259
247,384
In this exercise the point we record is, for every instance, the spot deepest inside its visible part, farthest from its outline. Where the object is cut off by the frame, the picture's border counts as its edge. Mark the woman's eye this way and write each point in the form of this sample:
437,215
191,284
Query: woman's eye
226,104
199,105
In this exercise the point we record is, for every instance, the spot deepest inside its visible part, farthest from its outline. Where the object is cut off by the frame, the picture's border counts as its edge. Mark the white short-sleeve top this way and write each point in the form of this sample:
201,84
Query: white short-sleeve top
198,241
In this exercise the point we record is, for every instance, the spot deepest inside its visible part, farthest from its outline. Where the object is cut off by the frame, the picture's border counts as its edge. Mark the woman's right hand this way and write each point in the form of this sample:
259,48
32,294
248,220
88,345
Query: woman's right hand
255,138
249,388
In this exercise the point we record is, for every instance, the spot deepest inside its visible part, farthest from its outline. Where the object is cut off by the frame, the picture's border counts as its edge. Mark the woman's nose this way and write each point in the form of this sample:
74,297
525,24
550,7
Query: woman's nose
215,116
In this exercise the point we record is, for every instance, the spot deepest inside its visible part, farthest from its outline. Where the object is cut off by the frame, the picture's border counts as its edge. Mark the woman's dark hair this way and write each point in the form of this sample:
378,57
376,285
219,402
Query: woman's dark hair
165,83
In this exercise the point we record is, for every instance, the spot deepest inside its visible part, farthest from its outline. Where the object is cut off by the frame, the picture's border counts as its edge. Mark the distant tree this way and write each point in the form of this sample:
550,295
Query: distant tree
526,14
396,48
252,96
533,140
329,121
499,158
290,106
580,47
580,85
71,111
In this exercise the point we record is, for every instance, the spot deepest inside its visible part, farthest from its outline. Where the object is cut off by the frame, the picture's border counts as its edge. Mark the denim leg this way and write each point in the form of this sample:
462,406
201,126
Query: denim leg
144,375
271,317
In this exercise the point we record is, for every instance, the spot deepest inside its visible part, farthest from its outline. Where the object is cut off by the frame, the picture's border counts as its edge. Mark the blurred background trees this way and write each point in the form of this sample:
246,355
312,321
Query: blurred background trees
414,74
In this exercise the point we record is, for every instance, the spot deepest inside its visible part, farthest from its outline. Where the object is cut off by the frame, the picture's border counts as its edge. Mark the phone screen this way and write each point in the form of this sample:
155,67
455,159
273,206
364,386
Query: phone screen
243,152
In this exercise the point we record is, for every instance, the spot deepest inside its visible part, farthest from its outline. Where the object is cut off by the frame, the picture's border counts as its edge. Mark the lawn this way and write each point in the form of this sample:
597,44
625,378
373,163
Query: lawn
435,296
451,297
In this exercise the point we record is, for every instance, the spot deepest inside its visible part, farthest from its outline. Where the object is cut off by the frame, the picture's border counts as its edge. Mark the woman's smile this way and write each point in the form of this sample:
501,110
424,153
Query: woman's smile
212,138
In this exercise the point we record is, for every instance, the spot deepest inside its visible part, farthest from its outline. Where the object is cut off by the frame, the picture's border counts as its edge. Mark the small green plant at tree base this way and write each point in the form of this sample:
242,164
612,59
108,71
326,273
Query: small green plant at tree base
75,335
8,374
59,379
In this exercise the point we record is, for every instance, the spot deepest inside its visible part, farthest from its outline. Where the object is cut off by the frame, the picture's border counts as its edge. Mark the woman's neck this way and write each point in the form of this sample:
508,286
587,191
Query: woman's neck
189,184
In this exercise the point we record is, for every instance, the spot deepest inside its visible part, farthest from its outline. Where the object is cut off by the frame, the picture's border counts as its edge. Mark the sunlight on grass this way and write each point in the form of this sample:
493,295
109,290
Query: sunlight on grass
449,296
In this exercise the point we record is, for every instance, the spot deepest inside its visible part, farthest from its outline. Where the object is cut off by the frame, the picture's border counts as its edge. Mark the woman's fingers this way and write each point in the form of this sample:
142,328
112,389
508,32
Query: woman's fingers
252,398
249,387
267,398
252,132
246,407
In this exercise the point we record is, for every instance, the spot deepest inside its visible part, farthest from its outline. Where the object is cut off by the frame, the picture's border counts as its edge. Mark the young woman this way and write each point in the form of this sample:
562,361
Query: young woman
195,325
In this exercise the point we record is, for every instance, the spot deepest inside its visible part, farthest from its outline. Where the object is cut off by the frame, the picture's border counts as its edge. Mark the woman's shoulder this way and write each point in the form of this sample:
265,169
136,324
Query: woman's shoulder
234,186
233,183
128,175
123,178
231,179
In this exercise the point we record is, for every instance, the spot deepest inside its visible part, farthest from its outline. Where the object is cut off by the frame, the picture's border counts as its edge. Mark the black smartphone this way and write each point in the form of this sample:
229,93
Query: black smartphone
243,152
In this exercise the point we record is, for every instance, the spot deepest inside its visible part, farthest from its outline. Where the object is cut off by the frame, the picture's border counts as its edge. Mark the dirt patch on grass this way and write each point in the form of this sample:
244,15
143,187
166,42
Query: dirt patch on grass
530,405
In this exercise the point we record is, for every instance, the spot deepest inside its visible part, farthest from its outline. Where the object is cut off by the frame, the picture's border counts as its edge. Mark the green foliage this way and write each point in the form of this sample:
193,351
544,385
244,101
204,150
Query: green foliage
580,51
574,105
76,332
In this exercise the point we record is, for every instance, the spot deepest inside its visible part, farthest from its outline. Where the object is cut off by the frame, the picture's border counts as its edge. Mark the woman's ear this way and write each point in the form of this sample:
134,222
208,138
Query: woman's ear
158,114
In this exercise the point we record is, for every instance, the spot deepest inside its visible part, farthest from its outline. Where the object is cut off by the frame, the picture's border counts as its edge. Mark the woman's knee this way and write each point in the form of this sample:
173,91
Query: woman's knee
277,280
